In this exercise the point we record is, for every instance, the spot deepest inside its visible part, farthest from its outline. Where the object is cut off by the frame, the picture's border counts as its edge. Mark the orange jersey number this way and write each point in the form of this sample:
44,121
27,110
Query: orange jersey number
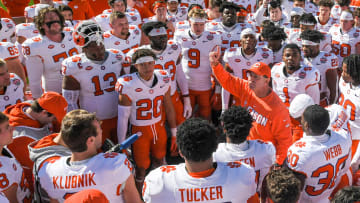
107,77
148,109
194,58
347,104
170,65
328,181
64,55
4,181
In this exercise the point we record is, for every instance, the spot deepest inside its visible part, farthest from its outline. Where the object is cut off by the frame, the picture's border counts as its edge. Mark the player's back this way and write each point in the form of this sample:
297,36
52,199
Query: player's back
323,159
97,82
259,155
230,182
106,172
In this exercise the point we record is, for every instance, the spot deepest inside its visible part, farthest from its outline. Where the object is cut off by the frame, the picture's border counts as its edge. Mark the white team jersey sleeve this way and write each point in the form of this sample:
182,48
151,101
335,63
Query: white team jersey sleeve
7,30
11,173
14,92
104,21
27,30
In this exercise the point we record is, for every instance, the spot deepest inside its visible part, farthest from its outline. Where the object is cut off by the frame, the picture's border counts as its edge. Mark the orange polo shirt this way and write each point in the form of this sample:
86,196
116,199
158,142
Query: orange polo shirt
271,118
81,9
98,6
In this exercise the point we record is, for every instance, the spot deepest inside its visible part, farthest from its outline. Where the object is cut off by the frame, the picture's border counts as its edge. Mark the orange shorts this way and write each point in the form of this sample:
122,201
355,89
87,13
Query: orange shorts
152,141
179,108
354,146
201,98
109,129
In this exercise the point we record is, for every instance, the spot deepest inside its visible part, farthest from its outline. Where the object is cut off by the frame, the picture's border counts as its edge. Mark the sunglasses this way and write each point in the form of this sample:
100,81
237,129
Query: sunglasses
48,24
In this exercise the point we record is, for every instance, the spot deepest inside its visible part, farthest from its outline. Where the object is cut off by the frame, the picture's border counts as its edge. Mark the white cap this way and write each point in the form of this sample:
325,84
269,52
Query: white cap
247,31
297,11
299,104
39,7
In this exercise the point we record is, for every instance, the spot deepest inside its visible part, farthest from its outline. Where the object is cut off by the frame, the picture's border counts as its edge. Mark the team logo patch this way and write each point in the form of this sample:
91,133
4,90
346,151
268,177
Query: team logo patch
76,59
117,43
51,46
356,34
248,63
36,39
102,68
184,39
265,55
106,35
323,60
6,98
302,75
193,43
237,60
166,79
16,82
89,68
133,18
63,45
161,58
151,91
119,57
138,90
210,37
229,35
10,26
36,31
136,32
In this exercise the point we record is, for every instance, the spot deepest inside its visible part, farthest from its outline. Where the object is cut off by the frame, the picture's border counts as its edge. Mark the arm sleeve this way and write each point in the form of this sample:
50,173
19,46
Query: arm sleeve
312,89
225,97
181,80
35,69
282,135
259,15
232,84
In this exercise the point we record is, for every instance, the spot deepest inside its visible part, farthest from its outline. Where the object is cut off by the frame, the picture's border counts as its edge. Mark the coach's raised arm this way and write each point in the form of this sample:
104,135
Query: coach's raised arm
271,118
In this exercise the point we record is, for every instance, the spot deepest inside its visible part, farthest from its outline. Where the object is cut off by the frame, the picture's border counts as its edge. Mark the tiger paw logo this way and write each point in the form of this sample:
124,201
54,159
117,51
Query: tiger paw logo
300,144
167,169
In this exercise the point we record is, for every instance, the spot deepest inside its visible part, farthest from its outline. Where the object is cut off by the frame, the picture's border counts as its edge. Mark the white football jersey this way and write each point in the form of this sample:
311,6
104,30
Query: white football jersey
323,62
180,15
294,37
133,40
323,159
104,20
326,27
259,155
303,81
182,25
344,44
230,182
229,37
11,173
8,51
239,63
195,57
97,82
350,100
29,11
167,61
106,172
27,30
50,54
14,93
7,30
147,102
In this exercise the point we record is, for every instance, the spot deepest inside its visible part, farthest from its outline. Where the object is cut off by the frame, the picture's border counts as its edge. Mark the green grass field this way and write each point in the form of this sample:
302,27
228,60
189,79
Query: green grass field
2,5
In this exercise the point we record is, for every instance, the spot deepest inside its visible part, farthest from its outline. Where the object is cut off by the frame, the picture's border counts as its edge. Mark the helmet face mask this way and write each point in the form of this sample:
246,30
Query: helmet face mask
86,32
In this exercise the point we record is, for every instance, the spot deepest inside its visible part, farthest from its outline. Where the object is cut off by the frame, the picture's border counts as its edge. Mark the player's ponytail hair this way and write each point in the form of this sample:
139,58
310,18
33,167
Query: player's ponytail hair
197,13
237,123
353,64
